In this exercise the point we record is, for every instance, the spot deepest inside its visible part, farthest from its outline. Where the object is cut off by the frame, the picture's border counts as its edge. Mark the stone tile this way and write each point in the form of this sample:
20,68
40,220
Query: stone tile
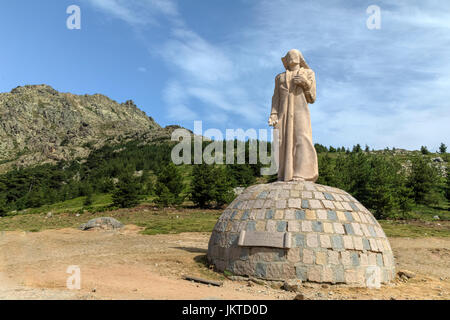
339,276
306,226
325,241
345,197
365,230
318,195
309,186
348,229
366,244
338,205
317,226
263,195
261,226
294,203
356,216
320,188
300,240
338,228
301,272
328,227
380,245
315,204
379,259
333,257
348,216
235,226
293,226
357,229
283,194
364,259
305,204
281,204
345,258
380,232
261,269
307,195
328,204
337,197
337,242
327,275
251,226
268,204
332,215
348,242
295,194
289,214
293,255
372,259
346,206
271,226
322,214
300,215
308,256
321,258
351,277
310,215
362,217
372,231
281,226
354,257
279,214
387,260
360,206
311,240
315,274
341,216
328,196
354,207
245,215
373,244
270,213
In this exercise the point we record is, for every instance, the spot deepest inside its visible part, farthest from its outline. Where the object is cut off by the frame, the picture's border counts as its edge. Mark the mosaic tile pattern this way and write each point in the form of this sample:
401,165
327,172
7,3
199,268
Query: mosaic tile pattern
334,239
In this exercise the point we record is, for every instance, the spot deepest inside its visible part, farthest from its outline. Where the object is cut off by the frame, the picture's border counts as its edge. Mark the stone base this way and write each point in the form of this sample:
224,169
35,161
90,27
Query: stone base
301,230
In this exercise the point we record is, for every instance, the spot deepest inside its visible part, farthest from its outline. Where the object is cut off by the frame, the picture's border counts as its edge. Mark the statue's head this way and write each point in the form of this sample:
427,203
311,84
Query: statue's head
294,57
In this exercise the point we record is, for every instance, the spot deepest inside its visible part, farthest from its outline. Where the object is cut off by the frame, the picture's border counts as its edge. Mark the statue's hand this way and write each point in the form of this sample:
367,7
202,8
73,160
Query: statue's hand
301,81
273,120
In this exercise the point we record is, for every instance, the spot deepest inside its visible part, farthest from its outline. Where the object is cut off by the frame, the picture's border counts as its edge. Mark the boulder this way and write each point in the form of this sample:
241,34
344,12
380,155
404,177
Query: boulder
104,223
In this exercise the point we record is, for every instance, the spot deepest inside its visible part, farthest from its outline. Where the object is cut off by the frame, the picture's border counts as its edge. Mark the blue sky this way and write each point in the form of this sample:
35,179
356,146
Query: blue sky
216,60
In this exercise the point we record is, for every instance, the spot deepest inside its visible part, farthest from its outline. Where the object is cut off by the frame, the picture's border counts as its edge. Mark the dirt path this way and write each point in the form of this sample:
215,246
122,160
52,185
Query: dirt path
127,265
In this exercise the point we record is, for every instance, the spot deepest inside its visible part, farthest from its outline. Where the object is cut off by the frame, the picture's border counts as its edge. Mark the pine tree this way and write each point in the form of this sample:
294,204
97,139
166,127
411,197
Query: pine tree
424,150
3,205
442,148
422,179
169,186
125,194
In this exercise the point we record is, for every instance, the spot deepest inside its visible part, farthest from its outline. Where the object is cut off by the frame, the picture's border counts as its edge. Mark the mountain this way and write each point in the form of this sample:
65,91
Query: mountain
41,125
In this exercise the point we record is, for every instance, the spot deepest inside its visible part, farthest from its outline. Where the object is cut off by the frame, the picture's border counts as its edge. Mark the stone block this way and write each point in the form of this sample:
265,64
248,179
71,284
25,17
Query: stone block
341,216
373,244
328,196
325,241
306,226
333,257
318,195
327,275
354,257
337,242
300,214
315,204
328,227
270,214
322,214
345,258
357,229
294,203
305,204
311,240
373,277
310,214
301,272
338,206
300,240
293,226
251,226
348,229
293,255
271,226
321,257
317,226
348,216
260,270
328,204
315,274
366,244
308,256
281,226
279,214
332,215
281,204
348,242
338,228
289,214
307,195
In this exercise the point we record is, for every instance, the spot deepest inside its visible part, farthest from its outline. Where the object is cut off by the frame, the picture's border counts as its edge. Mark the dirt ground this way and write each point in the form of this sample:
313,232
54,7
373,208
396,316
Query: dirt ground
128,265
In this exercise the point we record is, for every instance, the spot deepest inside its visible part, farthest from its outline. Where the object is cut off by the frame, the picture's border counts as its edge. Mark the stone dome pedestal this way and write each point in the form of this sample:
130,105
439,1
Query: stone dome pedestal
301,230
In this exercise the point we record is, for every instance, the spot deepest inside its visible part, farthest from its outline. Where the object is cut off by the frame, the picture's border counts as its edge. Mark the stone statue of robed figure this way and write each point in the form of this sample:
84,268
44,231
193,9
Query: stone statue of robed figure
294,90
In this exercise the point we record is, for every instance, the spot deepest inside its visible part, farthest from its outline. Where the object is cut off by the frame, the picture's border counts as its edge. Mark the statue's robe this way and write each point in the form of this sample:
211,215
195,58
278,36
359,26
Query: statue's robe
297,155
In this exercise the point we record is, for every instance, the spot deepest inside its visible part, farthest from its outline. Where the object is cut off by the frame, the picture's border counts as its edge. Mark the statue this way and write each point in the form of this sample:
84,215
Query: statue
294,90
